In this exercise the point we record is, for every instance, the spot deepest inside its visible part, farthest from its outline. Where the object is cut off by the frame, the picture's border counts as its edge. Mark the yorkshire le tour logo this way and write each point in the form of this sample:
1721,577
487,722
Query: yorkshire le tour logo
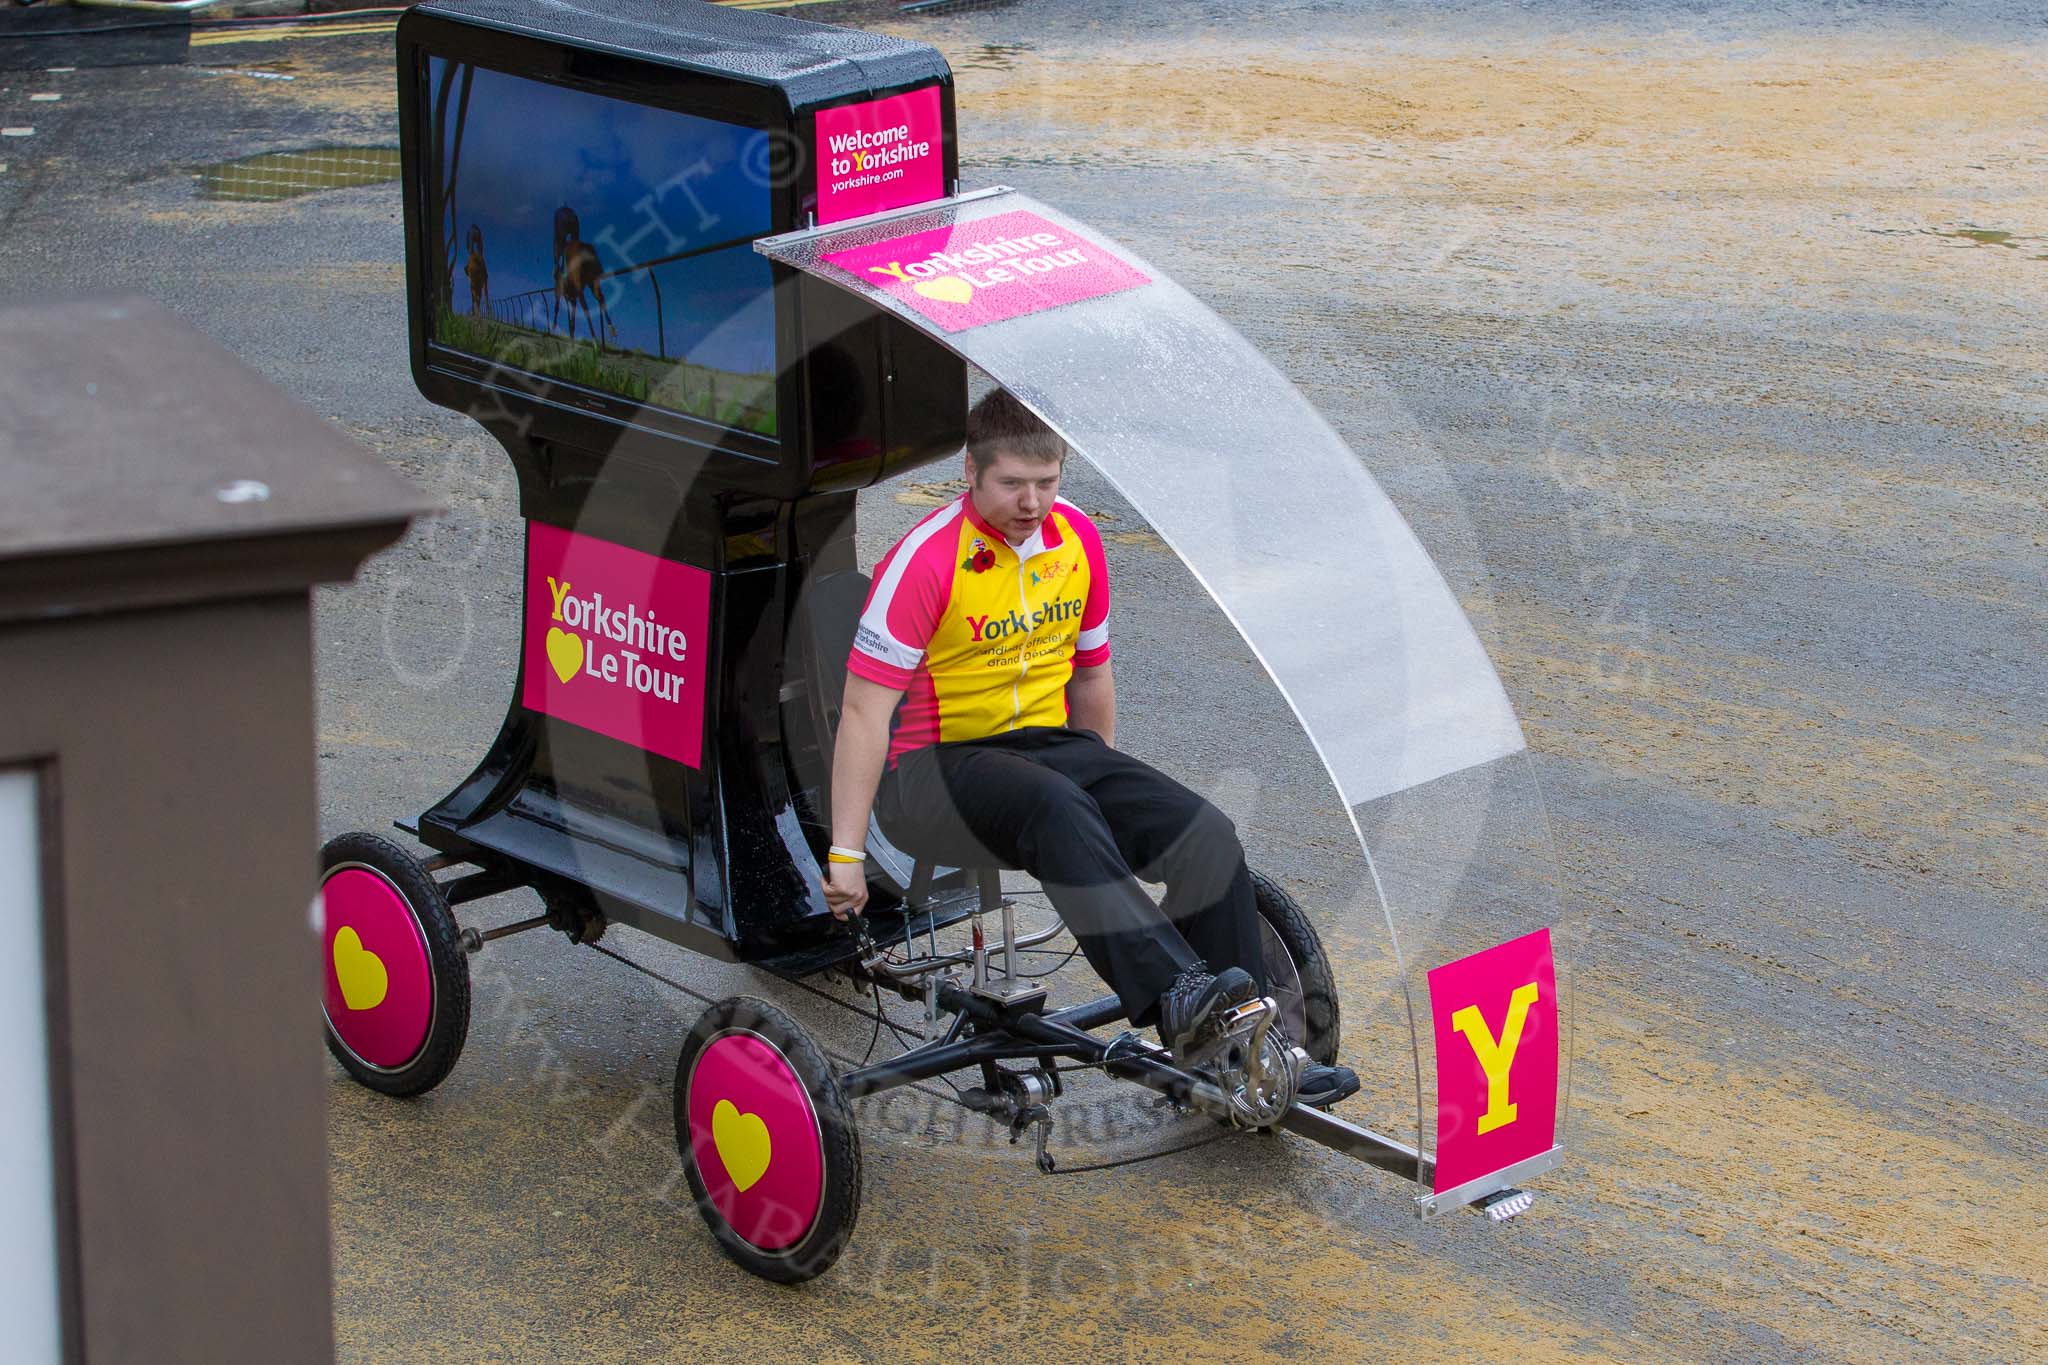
615,641
642,635
985,629
1001,267
952,277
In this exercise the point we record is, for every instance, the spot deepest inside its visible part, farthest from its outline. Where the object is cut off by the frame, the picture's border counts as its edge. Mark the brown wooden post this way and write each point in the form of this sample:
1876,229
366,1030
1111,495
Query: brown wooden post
164,512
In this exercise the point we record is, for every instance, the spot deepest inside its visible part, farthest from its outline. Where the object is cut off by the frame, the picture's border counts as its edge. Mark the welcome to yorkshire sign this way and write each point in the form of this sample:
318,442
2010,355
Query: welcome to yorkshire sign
881,154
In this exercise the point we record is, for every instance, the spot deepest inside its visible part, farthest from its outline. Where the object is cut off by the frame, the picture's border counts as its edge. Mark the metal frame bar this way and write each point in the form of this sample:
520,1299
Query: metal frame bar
1148,1070
906,971
1360,1143
475,886
936,1059
1029,1035
1096,1013
928,206
998,1043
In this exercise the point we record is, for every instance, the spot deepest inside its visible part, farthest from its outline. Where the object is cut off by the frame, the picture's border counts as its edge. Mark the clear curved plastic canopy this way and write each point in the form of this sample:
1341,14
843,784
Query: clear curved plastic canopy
1305,554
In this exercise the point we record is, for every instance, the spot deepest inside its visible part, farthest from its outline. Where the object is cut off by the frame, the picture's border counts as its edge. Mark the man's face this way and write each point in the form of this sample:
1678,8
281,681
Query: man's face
1014,493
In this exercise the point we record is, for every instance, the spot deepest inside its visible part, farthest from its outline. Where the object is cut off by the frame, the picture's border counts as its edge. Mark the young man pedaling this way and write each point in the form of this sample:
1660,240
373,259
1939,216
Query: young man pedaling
986,638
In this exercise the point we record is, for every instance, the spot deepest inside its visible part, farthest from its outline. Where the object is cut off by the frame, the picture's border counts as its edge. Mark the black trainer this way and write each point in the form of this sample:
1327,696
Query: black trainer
1193,1000
1322,1086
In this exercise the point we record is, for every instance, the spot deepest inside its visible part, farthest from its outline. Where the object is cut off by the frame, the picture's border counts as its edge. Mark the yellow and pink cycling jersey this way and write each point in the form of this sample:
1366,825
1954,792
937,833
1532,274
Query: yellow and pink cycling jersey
980,635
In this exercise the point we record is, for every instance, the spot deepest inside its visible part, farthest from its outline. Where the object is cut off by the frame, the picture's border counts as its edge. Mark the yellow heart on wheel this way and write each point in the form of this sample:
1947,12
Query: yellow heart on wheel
565,652
946,289
742,1143
361,973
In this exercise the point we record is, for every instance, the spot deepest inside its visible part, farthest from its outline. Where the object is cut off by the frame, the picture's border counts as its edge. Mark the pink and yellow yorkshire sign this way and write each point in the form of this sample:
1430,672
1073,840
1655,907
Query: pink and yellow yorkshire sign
1496,1021
616,641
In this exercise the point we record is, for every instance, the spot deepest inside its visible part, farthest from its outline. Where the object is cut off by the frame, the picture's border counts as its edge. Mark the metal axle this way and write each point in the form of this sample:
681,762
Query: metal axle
473,940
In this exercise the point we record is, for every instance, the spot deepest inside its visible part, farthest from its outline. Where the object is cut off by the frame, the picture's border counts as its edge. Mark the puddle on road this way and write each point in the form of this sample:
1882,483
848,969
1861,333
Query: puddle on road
993,57
287,175
1970,237
931,494
1983,236
923,8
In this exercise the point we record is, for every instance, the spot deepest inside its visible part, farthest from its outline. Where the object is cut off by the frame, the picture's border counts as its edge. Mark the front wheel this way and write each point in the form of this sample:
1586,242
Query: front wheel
1297,971
768,1140
397,980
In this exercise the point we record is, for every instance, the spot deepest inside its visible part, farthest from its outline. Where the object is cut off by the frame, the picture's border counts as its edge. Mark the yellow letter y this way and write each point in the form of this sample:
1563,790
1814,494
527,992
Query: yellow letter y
1496,1059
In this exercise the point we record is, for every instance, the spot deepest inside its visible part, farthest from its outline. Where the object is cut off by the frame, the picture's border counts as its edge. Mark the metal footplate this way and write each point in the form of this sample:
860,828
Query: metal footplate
1011,993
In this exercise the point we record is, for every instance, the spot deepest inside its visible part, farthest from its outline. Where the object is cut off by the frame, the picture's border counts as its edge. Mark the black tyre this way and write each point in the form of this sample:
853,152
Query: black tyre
397,980
1297,971
768,1141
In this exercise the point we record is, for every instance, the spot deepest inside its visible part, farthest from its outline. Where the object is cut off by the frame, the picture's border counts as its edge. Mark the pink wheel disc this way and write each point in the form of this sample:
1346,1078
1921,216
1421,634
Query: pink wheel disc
755,1139
380,986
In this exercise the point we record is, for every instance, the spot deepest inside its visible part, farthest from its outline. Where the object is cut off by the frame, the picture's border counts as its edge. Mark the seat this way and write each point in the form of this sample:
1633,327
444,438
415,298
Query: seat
989,879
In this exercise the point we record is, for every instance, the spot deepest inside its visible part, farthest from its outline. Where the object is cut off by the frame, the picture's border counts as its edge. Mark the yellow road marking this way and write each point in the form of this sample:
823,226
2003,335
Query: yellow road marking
280,33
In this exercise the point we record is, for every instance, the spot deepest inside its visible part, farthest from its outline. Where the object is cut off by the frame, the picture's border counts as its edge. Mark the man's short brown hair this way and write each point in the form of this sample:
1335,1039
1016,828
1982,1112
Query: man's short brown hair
999,422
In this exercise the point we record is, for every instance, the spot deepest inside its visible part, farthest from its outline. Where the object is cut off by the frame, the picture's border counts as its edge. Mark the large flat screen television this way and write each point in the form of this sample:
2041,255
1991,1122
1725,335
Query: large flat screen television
599,245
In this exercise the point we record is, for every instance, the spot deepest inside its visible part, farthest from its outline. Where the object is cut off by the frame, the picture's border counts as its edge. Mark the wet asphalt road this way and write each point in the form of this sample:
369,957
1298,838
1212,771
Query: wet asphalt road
1731,438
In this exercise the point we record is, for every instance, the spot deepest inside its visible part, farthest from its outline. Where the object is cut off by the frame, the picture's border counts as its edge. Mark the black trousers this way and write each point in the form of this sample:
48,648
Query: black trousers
1083,819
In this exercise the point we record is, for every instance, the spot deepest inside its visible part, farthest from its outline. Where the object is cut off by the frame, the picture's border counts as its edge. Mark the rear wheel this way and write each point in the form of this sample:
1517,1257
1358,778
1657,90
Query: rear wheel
1297,971
397,980
767,1140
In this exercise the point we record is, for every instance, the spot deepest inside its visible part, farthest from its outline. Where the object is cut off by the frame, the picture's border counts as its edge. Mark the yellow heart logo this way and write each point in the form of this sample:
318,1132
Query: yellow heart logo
361,973
565,652
742,1143
946,289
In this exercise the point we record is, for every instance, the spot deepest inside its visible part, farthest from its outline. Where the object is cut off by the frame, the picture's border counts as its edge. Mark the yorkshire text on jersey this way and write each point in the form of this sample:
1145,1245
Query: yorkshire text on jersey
982,636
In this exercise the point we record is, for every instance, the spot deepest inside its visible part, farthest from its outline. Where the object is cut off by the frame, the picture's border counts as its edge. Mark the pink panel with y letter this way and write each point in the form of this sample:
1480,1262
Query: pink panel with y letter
1496,1021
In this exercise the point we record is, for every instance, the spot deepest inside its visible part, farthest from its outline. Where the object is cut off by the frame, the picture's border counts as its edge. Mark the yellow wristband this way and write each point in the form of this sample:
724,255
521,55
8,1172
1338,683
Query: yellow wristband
842,858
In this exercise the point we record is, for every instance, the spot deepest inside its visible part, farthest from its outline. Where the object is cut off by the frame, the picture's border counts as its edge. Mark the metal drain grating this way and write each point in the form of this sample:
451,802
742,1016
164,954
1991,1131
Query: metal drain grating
286,175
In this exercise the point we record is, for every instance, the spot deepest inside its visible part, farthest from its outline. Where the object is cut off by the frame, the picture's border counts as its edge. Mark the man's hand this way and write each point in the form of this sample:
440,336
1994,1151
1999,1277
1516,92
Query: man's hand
846,889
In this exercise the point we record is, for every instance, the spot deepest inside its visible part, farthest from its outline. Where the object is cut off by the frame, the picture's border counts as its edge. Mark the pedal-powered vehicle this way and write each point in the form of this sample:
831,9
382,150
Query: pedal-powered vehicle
789,286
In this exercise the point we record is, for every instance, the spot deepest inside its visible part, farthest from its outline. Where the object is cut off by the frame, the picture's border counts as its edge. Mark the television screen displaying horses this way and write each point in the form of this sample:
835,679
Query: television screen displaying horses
603,243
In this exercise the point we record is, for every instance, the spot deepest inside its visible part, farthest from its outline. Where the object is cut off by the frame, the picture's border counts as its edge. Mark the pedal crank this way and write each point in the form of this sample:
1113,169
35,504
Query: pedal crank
1256,1073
